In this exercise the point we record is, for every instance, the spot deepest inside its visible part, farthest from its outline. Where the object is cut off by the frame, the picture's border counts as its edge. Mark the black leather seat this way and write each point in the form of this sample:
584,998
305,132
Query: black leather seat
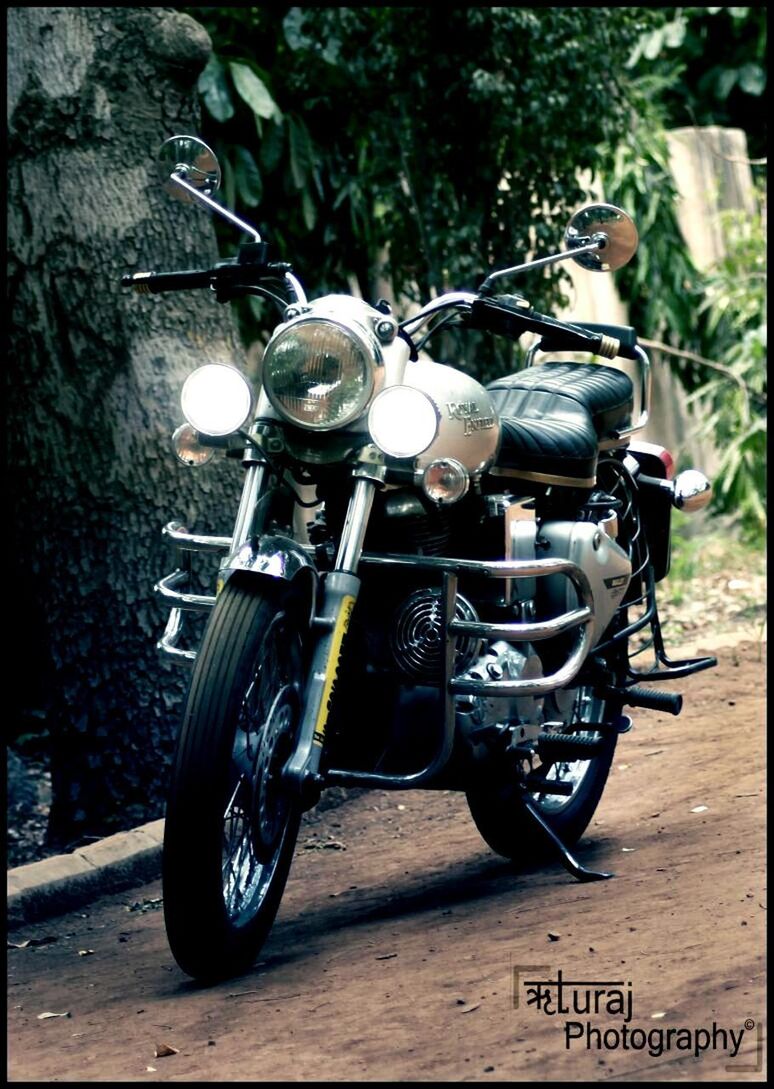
555,415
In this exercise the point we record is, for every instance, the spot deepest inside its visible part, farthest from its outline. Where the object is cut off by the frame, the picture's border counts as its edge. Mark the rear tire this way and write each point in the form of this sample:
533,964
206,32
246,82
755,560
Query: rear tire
230,827
501,818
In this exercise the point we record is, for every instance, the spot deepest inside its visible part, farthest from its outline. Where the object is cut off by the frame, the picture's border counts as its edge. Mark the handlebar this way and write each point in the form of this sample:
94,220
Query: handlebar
511,315
228,279
151,283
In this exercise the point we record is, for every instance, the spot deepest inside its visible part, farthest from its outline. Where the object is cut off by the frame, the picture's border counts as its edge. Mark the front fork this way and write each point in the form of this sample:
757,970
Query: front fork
330,624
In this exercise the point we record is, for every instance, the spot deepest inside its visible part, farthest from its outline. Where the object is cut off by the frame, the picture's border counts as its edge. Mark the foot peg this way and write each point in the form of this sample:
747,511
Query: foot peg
671,703
565,747
571,864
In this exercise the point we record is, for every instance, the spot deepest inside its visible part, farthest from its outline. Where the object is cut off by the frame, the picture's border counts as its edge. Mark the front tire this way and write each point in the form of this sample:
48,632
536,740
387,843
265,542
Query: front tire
501,818
230,826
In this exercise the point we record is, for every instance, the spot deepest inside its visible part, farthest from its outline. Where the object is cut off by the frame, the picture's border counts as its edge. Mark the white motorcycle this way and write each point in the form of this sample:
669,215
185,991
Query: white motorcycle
429,583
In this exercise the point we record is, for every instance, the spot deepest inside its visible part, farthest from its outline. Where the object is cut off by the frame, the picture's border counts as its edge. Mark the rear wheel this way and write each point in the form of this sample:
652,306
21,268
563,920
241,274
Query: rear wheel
231,827
497,810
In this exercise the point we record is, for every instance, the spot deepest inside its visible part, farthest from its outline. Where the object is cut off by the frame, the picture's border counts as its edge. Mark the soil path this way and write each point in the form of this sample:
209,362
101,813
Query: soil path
398,943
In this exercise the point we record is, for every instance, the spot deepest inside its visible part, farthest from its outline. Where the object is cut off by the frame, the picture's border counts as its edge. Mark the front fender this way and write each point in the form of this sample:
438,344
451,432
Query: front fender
277,557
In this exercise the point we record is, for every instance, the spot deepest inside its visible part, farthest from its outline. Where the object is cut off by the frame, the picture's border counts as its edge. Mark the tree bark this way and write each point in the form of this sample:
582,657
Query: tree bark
93,386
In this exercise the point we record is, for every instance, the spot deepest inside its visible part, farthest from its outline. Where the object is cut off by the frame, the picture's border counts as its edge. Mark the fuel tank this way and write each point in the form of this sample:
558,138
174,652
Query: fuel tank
469,427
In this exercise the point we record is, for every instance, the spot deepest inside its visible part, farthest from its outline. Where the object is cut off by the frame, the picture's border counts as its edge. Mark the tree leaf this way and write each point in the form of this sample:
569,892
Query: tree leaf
291,26
674,33
752,79
310,218
726,81
253,91
301,153
249,185
229,187
214,89
271,146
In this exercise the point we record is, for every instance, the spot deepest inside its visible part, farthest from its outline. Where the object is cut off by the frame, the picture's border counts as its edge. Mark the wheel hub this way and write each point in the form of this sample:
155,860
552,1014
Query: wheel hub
270,800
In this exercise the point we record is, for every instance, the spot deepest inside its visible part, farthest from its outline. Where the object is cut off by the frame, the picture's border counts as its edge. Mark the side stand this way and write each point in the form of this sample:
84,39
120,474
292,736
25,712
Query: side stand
570,863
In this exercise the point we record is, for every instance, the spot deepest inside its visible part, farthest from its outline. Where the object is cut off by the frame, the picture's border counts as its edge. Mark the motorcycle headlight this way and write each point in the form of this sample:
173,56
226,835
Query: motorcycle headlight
403,421
319,374
216,399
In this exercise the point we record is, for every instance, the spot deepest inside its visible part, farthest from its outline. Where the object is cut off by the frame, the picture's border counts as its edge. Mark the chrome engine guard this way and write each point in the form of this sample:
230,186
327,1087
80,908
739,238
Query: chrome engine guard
172,590
277,557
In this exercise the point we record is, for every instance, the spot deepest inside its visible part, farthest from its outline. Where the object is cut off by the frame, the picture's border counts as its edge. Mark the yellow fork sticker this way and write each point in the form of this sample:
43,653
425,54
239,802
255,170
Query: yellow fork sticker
339,631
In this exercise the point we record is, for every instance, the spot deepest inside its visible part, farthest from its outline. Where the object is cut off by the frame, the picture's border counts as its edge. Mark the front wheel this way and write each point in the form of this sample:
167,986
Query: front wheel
497,810
230,826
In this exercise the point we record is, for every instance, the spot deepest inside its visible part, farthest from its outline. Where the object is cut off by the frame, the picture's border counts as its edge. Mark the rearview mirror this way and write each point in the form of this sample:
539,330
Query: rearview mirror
606,223
188,158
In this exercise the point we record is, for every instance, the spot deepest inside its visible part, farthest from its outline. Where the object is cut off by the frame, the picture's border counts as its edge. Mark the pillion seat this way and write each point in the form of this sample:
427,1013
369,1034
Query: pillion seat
555,416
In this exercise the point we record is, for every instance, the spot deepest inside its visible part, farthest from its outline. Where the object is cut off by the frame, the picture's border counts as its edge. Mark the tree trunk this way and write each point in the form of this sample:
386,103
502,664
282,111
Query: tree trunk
94,375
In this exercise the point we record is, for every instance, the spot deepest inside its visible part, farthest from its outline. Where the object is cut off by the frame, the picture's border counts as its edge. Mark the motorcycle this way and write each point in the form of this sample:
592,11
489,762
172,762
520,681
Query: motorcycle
429,584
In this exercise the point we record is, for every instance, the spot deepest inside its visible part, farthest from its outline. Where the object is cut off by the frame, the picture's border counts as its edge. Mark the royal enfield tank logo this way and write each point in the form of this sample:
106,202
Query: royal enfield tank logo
467,411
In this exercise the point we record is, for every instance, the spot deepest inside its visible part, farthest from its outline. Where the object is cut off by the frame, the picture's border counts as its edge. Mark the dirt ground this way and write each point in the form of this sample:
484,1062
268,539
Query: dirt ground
404,948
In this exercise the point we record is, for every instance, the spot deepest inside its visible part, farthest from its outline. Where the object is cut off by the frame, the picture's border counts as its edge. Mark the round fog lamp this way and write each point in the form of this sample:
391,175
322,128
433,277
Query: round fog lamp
188,449
216,399
403,421
445,480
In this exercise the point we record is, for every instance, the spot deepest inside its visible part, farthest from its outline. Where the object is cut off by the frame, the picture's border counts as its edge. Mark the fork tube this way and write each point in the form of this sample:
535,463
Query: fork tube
250,491
355,525
340,591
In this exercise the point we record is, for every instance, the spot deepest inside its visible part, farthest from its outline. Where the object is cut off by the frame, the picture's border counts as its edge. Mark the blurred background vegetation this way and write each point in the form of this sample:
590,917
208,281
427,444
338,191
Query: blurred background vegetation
401,152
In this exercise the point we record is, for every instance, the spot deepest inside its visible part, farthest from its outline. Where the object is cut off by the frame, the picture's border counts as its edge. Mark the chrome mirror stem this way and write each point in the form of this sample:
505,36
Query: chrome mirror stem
202,198
597,243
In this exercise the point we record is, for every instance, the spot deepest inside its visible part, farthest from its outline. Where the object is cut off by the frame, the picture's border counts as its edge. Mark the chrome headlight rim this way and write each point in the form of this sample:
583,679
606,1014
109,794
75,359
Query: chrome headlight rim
366,343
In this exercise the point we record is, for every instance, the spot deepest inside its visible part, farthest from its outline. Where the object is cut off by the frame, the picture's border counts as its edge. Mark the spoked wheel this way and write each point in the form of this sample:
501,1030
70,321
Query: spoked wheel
231,826
498,813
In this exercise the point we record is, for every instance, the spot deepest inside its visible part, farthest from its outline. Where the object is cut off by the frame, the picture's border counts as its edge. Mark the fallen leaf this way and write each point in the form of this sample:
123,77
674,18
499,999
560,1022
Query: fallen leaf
700,809
146,905
469,1009
45,1016
30,942
162,1050
387,956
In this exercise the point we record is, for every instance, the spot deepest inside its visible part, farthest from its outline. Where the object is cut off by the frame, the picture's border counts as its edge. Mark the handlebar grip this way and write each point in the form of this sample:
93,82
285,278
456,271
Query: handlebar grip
511,316
151,283
569,338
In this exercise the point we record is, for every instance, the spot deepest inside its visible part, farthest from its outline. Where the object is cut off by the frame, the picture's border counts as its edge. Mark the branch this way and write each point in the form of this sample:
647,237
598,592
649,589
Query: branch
657,346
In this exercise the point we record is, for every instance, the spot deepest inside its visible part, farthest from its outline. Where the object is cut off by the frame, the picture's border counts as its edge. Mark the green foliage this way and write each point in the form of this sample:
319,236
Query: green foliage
732,400
661,286
382,136
685,70
409,151
712,64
